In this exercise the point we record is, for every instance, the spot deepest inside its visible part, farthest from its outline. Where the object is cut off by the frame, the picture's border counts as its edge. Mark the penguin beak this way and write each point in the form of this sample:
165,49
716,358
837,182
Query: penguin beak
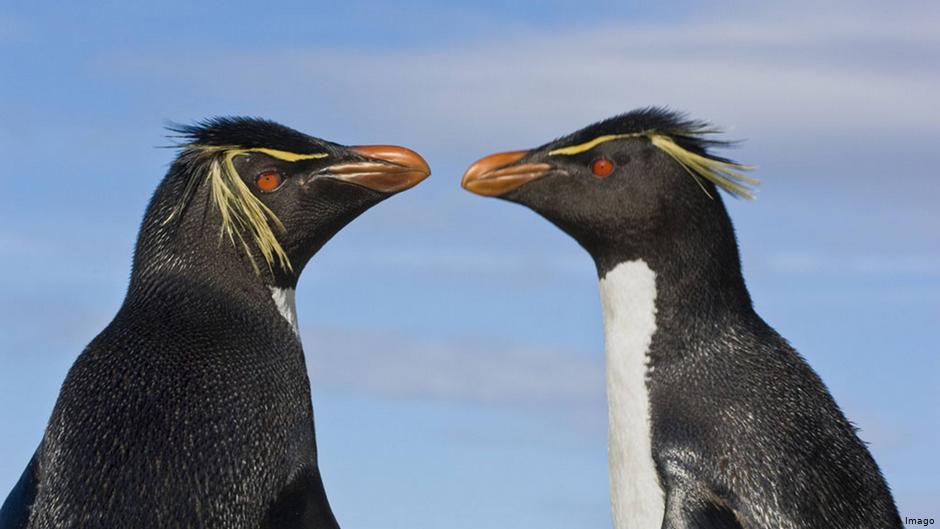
386,169
498,174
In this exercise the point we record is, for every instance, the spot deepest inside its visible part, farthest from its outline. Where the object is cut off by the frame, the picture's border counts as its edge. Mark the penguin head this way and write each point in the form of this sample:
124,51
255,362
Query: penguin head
627,181
257,198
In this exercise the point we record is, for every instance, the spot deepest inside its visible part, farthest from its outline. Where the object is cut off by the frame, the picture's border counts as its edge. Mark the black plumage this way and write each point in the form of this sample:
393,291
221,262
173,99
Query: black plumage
250,133
192,407
690,133
744,434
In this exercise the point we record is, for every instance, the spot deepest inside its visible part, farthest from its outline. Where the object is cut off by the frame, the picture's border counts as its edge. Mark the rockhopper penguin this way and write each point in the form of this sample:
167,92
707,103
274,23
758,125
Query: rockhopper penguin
192,408
714,420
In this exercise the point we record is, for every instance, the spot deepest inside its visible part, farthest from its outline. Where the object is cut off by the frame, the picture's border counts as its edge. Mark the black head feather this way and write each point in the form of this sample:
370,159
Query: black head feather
690,134
207,148
249,133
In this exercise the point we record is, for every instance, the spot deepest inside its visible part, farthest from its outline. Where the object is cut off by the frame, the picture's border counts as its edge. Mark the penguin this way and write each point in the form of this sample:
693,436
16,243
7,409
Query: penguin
192,407
714,420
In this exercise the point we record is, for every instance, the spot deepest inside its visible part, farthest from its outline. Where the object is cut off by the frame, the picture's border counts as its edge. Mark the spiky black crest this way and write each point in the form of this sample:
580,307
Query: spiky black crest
208,150
249,133
690,133
685,140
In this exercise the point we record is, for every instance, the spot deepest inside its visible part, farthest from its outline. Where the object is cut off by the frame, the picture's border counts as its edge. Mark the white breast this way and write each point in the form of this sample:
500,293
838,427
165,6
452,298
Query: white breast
286,305
628,298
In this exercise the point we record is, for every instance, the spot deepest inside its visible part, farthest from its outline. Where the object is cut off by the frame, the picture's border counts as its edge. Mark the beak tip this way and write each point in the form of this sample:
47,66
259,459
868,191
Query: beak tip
408,168
497,174
466,180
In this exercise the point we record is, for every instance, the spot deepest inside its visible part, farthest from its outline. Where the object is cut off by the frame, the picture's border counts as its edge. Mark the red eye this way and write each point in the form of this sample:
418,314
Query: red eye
269,180
602,167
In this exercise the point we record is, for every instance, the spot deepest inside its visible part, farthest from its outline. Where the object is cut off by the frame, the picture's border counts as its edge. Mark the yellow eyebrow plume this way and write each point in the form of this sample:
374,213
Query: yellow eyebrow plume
726,175
280,155
586,146
240,209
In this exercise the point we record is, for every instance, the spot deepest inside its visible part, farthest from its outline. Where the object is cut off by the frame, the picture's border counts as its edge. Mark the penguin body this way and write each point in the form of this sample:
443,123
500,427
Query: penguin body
192,408
714,420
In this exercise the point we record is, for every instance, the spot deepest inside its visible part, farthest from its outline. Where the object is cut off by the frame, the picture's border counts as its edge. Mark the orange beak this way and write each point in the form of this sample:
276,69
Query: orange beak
498,174
388,169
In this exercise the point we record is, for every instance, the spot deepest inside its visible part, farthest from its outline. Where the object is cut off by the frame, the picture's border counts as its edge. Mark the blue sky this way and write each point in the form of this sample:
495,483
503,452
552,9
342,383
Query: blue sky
454,342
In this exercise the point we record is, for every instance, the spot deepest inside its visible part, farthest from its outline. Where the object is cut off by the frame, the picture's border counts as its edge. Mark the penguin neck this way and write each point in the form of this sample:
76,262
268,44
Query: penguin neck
659,304
697,268
284,300
628,298
169,256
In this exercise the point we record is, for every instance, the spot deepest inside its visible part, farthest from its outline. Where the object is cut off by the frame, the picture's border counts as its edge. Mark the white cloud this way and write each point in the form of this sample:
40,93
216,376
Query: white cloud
800,263
841,70
457,262
396,367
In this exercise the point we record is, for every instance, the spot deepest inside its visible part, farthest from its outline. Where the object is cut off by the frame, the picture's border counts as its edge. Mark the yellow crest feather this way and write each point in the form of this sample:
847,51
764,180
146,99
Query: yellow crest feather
588,145
726,175
245,218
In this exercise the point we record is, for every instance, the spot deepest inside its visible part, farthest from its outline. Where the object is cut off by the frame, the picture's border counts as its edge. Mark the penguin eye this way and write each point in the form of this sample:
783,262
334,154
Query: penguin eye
269,181
602,167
